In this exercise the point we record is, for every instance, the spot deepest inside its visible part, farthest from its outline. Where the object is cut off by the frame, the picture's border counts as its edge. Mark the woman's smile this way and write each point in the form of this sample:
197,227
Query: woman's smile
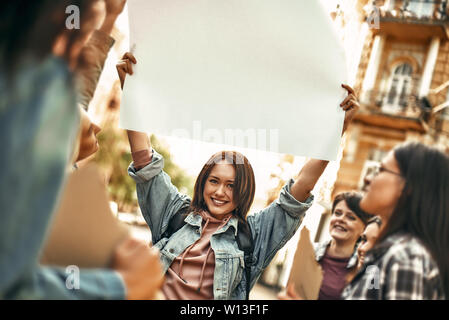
338,227
219,203
219,190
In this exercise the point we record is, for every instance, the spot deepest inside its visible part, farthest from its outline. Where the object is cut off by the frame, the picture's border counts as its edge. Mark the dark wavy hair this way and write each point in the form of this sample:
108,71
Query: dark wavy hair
352,199
423,207
244,183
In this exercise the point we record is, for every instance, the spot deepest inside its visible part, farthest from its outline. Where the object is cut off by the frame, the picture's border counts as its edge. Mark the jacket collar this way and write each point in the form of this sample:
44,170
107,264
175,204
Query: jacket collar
321,249
195,219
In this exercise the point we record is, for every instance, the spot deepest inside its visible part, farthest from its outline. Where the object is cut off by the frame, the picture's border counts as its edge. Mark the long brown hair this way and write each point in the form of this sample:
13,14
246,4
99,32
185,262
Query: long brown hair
244,184
423,207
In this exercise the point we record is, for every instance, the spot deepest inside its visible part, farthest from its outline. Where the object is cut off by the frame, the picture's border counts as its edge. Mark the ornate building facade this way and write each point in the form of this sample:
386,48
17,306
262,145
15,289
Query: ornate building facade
402,80
398,63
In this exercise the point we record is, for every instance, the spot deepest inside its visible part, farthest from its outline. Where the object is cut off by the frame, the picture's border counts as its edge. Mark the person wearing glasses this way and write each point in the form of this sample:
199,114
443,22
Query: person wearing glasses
410,261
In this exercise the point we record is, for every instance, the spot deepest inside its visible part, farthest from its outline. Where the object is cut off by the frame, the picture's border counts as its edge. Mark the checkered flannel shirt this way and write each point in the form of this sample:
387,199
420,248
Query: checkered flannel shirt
398,268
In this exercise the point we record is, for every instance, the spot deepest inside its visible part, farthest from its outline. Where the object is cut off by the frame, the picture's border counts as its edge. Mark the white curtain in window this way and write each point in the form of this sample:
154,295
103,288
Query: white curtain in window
399,88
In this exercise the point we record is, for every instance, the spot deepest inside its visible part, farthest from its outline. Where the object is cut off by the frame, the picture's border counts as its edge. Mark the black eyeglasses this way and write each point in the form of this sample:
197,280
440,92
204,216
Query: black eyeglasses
378,169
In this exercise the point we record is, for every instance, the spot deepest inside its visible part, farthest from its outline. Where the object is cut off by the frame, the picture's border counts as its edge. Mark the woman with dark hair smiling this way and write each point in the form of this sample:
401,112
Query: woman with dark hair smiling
204,256
338,256
409,192
368,239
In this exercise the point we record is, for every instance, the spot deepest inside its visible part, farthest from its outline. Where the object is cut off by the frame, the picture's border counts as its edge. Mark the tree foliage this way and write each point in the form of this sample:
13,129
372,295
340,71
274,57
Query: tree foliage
114,157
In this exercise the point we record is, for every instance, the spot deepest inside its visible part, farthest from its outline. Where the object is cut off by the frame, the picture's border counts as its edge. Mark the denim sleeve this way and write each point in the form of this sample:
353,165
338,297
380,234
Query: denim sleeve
274,226
158,198
59,283
38,127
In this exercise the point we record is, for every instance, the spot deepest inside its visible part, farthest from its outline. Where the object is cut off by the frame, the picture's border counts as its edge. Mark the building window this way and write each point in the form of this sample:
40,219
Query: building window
421,8
374,158
376,155
399,89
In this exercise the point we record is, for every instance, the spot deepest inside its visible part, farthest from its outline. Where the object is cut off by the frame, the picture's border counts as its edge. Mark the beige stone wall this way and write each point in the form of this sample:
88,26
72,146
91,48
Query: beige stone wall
366,53
361,141
440,74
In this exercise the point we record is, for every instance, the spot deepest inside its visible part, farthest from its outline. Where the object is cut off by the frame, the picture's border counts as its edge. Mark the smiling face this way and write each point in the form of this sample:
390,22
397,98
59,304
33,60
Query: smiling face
225,184
369,238
219,188
384,189
345,225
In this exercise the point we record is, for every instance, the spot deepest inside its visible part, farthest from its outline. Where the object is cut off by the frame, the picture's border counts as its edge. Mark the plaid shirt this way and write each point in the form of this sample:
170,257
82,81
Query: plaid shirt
398,268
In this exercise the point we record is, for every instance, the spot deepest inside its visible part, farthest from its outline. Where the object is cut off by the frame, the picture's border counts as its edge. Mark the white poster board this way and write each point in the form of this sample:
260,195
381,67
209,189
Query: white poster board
256,74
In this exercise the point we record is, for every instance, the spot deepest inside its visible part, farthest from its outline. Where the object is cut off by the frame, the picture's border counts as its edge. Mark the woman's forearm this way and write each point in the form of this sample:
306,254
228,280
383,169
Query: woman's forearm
138,140
108,24
308,177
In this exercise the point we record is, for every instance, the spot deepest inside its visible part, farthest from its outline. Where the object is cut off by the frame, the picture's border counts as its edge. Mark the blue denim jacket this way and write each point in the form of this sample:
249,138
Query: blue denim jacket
39,122
271,228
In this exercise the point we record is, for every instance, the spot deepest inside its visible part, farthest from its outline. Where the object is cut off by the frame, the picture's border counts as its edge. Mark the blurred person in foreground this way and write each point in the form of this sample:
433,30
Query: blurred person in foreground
39,122
87,74
410,261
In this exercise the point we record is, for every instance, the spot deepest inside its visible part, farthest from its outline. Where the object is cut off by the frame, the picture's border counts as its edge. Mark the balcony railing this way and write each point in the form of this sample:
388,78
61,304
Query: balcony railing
391,103
421,10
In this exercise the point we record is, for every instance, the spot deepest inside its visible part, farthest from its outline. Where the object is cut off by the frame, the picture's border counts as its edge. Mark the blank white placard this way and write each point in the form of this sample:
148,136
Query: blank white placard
257,74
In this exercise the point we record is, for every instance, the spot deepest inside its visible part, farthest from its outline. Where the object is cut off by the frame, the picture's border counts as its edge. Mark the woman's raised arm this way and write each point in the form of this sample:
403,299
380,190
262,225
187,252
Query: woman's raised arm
158,198
138,141
307,178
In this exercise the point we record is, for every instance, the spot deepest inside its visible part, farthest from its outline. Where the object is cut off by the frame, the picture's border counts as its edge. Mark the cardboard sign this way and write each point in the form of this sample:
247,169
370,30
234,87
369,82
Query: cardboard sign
84,231
257,74
306,273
